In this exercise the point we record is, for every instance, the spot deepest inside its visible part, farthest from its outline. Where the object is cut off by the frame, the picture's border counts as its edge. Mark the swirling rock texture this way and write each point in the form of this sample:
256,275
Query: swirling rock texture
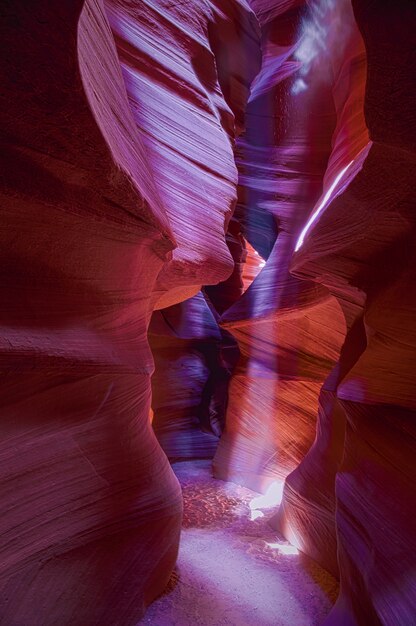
85,488
94,237
289,331
187,68
125,128
307,512
362,249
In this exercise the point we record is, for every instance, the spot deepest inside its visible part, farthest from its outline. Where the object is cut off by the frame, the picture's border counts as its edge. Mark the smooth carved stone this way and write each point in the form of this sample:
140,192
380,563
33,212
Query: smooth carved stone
288,331
188,104
91,510
129,132
187,68
118,181
362,248
308,507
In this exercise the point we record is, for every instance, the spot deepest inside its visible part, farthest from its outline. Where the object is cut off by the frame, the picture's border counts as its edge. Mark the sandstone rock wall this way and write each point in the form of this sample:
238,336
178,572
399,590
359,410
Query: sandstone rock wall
106,111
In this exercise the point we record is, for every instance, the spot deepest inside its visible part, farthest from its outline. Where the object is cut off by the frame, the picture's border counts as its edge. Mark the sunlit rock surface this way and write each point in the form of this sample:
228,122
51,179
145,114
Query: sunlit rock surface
187,69
308,508
129,134
289,331
362,249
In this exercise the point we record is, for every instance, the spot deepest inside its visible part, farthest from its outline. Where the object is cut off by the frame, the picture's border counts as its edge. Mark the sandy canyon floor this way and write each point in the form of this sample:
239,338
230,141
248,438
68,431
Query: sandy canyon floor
233,569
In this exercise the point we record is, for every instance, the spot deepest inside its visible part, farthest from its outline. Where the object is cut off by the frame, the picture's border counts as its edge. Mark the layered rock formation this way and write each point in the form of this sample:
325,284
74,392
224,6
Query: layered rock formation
307,513
362,249
289,331
125,129
187,68
85,488
93,237
361,253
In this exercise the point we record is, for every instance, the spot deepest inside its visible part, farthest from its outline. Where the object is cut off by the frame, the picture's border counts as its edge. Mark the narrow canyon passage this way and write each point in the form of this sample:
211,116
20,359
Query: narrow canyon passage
207,306
233,569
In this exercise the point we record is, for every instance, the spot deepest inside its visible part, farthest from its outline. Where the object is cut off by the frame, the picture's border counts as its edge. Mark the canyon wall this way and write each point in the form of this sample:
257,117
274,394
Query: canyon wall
362,249
106,111
290,331
231,188
326,329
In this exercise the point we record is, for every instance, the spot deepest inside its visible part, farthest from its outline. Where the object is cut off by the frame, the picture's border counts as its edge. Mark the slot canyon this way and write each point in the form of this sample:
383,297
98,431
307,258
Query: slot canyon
208,303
